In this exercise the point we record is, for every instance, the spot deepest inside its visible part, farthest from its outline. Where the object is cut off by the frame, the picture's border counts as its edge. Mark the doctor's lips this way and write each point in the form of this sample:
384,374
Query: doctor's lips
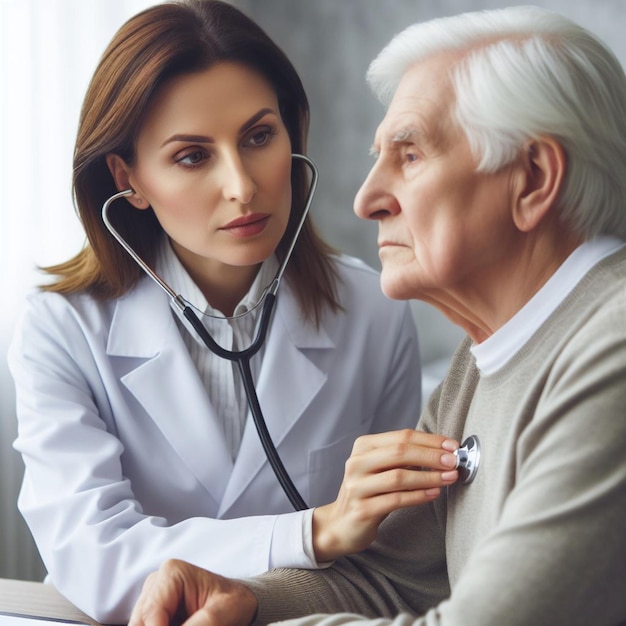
248,225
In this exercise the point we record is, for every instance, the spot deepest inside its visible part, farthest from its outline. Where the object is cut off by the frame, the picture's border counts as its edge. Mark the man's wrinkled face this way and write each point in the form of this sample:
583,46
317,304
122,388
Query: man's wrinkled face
442,225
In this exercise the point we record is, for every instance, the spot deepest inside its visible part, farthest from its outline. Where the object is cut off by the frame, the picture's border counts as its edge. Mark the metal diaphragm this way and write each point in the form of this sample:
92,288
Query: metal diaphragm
468,459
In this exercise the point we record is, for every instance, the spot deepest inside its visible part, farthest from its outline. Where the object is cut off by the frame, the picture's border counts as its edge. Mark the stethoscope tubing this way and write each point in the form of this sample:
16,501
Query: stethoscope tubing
240,357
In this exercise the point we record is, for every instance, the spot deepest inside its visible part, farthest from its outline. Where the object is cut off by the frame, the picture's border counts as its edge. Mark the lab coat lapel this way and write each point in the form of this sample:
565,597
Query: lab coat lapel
286,358
167,384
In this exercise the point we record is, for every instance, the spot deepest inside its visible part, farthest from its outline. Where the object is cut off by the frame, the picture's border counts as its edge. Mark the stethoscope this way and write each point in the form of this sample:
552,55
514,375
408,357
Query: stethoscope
468,456
240,357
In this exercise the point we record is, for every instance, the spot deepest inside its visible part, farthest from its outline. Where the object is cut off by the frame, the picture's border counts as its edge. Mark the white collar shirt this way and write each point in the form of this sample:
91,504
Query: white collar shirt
220,376
495,352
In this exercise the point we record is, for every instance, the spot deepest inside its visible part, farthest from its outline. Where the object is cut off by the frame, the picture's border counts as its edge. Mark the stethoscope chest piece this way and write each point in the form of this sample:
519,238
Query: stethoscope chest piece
468,459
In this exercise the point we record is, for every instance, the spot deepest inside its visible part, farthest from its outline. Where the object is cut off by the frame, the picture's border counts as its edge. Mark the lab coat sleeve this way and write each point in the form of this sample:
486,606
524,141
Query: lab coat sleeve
76,499
294,544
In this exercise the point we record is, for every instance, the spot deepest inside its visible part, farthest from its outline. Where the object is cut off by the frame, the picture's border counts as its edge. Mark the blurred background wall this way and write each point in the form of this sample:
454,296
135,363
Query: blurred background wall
48,50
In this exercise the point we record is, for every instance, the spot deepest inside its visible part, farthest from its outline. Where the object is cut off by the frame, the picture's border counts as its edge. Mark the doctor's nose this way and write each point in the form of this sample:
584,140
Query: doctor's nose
238,185
374,201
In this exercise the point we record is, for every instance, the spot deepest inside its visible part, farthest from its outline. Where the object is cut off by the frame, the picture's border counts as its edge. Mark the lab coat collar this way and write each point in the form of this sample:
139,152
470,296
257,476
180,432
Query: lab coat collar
167,385
141,320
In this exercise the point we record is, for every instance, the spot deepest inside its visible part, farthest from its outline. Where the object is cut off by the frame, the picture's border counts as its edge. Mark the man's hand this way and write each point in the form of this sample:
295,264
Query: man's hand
181,593
385,472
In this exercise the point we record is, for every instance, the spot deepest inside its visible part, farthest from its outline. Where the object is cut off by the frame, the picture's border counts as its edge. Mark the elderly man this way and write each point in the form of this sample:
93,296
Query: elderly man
499,191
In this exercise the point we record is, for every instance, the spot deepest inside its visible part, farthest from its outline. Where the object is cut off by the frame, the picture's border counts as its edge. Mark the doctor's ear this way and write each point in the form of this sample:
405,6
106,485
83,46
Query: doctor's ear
121,176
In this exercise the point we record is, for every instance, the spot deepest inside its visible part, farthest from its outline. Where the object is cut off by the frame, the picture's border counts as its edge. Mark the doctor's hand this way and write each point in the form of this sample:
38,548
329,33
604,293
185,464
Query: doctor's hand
385,472
181,593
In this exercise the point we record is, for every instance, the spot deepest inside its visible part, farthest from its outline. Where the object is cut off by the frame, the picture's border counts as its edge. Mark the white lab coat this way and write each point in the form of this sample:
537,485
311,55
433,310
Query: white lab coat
126,464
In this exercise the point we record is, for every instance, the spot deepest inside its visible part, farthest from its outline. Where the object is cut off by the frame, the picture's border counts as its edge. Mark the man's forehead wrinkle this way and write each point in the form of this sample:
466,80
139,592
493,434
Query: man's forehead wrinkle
410,117
413,127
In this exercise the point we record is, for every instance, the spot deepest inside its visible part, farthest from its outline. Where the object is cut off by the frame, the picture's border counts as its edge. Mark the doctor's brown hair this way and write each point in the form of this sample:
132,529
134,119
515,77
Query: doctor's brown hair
154,46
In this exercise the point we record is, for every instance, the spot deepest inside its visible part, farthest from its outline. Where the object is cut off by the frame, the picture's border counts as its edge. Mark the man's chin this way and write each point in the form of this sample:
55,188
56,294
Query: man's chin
395,288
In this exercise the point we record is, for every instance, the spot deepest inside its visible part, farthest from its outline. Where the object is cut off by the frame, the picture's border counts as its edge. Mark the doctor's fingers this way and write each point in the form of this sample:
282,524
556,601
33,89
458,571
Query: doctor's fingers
422,484
398,456
350,523
401,438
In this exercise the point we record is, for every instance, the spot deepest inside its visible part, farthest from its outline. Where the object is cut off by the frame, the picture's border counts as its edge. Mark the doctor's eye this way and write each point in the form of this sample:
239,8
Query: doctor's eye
260,137
191,158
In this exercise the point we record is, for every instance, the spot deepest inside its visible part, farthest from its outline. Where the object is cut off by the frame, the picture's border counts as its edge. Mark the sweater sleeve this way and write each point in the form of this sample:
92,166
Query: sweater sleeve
556,554
402,572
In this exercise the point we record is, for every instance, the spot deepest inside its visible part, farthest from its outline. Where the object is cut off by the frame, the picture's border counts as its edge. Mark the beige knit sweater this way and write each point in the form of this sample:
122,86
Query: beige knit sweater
539,537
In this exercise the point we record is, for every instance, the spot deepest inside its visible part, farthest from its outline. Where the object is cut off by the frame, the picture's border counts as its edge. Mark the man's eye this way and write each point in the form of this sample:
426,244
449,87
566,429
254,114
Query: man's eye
411,157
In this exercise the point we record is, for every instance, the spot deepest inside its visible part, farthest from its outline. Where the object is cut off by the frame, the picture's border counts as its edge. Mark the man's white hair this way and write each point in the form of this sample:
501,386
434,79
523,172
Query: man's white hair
526,72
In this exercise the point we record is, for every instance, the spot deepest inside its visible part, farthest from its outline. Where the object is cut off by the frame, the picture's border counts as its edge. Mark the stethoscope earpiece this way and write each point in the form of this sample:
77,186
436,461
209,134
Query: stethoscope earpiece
468,459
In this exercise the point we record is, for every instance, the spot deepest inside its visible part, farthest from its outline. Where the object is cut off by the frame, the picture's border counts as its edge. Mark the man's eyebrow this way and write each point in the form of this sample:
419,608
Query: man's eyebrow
407,133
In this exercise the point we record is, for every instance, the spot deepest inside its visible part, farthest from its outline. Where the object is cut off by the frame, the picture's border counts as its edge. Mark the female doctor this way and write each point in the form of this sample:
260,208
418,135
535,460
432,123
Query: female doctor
136,438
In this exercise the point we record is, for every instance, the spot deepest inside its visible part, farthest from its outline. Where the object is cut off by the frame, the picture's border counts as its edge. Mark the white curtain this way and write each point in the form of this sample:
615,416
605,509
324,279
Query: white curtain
48,51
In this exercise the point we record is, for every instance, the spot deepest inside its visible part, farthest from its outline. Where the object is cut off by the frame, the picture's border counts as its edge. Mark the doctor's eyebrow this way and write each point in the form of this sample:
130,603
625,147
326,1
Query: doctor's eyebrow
188,138
206,139
255,118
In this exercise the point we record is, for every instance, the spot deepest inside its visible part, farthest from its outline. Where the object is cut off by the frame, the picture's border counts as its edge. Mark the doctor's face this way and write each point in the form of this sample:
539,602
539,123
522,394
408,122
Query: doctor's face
441,223
213,160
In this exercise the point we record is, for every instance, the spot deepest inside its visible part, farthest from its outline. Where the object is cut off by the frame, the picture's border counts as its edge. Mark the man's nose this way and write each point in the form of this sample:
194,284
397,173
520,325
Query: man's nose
238,185
374,200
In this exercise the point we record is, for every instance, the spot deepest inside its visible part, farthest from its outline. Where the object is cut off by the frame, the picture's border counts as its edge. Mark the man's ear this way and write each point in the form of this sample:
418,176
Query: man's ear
121,176
543,164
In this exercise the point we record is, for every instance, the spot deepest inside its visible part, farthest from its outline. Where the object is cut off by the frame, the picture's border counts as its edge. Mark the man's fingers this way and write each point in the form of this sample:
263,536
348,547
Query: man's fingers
164,593
203,617
152,615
